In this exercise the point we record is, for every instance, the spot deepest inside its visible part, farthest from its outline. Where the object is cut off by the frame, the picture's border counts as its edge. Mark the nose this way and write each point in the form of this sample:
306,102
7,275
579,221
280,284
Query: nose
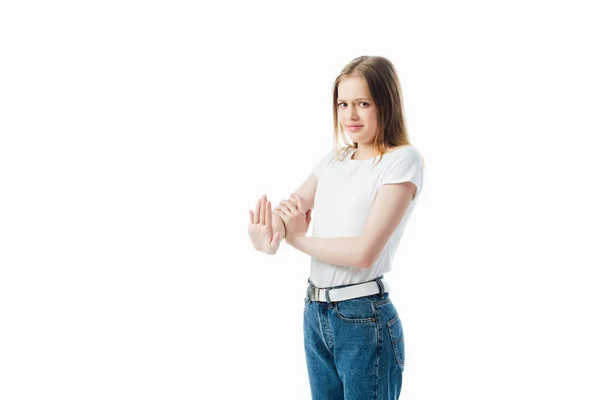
353,113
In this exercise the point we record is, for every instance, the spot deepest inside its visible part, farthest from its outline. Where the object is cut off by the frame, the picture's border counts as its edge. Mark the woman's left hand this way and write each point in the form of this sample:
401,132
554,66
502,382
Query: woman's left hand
295,217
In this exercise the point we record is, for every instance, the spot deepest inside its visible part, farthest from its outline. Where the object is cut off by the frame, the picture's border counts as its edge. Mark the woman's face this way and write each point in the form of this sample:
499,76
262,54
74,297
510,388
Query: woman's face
356,110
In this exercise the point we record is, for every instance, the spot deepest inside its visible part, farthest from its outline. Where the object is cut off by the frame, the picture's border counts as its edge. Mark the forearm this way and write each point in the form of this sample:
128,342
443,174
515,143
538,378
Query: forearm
278,226
342,251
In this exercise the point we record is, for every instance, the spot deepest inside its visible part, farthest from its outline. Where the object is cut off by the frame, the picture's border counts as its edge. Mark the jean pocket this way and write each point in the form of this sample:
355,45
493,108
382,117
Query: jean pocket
357,311
397,338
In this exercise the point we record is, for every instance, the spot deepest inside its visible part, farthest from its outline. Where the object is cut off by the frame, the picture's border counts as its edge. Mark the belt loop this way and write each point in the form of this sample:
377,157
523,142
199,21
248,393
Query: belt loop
308,290
381,287
327,296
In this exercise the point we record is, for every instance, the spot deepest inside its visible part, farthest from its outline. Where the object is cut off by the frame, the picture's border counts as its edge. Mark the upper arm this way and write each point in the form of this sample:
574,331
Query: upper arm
388,209
307,191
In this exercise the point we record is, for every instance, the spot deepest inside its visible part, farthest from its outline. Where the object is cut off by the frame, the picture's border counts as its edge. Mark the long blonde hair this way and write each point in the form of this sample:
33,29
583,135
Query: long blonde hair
384,86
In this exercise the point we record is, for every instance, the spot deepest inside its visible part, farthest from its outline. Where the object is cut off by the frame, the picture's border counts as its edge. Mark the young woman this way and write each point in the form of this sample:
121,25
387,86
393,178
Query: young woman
363,195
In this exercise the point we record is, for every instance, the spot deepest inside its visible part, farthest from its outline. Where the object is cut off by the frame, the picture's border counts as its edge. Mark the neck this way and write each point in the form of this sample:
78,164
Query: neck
364,152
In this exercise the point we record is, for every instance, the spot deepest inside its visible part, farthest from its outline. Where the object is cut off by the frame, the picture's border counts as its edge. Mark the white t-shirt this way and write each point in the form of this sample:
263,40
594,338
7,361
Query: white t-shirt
345,192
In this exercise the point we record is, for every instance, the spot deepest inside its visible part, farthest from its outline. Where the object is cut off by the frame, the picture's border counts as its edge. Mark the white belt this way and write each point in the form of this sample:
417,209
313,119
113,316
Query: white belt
348,292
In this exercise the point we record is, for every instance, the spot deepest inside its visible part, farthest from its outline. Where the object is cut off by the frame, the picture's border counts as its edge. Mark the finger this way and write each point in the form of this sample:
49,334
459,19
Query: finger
284,209
288,204
293,209
257,212
286,212
268,215
293,200
300,203
296,196
284,219
251,217
283,202
275,239
263,207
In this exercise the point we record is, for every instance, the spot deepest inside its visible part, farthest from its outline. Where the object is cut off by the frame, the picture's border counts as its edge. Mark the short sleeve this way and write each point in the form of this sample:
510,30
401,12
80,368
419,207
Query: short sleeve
407,166
323,163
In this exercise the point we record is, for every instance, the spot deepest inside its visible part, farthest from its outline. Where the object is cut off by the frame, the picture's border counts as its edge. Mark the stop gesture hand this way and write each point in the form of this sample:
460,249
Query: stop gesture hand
260,228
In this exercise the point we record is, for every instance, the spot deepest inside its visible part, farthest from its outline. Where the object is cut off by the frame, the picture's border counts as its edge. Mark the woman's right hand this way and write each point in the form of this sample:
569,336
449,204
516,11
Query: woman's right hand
260,228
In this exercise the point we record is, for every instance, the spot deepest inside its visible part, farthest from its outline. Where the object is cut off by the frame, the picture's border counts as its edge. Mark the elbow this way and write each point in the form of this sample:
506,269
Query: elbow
366,260
362,256
369,256
367,253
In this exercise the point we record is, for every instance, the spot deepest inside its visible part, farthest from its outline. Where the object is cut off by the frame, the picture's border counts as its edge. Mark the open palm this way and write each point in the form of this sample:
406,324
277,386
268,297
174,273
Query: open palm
260,228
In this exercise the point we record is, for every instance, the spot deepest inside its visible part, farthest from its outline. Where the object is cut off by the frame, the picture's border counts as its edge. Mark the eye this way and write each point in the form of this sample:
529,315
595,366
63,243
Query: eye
344,104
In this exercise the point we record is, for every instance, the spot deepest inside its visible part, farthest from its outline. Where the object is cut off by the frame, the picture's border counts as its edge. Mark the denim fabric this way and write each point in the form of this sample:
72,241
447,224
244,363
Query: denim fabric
354,348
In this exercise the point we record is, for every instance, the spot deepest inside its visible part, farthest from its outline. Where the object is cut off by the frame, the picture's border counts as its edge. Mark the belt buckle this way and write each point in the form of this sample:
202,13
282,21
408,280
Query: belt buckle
315,293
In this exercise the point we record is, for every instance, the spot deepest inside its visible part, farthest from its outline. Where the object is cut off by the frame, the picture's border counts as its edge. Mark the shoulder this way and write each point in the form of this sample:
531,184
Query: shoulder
407,151
327,156
405,166
405,156
323,163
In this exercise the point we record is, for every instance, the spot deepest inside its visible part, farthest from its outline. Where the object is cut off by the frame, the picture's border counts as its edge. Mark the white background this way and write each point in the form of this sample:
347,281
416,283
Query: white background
135,137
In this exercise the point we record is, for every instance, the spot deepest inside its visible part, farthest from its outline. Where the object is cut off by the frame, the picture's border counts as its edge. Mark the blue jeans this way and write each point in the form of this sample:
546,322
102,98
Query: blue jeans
354,348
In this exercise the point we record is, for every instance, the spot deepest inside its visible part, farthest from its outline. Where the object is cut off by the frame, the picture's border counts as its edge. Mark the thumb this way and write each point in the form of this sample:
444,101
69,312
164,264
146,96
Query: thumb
308,216
275,239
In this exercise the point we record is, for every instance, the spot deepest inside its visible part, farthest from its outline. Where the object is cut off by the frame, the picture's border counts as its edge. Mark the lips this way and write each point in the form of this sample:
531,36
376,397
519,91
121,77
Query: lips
354,128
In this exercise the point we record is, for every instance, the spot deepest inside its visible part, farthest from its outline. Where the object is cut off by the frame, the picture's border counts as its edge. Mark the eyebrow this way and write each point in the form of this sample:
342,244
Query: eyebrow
360,98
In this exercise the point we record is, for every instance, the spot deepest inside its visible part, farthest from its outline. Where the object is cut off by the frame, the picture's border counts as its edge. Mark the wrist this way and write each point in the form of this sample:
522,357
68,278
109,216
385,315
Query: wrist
292,239
283,234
